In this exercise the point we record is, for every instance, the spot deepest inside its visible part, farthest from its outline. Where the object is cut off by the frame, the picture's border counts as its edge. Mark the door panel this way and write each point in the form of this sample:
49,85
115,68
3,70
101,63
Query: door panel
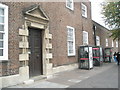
90,57
35,44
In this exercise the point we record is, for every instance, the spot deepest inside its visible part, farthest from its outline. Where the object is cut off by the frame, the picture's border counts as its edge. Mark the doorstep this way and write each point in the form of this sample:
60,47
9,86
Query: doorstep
34,79
38,78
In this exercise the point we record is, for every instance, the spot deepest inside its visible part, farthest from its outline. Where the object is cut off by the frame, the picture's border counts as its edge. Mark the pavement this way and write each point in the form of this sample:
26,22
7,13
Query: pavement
72,78
106,79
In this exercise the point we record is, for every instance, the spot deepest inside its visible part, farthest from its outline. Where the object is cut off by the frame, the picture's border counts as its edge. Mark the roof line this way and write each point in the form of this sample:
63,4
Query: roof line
100,25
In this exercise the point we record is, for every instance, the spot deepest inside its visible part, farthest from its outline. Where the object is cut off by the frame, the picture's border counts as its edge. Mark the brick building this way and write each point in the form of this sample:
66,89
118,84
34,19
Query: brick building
41,38
103,39
59,32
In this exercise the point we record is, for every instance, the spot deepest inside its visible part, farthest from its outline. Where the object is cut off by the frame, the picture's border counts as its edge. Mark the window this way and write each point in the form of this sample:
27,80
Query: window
3,32
84,10
112,43
70,4
98,40
116,43
71,41
106,42
85,38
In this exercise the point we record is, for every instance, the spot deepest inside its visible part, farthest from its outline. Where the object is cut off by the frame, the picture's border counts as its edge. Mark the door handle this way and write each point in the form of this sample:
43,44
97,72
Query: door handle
29,52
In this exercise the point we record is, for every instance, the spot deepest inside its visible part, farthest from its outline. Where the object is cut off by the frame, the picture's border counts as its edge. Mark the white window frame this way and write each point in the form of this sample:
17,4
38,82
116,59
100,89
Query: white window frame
5,35
74,53
117,44
85,38
112,43
106,42
98,40
84,8
72,4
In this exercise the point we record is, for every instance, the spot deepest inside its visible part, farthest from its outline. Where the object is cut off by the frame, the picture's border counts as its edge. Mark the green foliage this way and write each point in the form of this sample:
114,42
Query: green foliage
115,34
111,12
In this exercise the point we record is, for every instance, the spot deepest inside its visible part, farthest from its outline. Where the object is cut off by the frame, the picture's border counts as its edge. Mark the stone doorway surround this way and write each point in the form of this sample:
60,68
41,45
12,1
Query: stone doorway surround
35,18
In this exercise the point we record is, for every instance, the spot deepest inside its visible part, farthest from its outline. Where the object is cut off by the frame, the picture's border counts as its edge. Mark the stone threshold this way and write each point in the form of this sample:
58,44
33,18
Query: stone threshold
37,78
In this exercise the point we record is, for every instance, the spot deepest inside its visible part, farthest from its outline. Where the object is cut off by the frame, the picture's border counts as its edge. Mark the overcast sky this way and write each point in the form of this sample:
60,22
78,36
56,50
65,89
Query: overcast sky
96,12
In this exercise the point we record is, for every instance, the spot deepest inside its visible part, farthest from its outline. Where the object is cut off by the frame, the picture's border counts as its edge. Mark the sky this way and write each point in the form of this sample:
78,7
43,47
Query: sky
96,12
97,9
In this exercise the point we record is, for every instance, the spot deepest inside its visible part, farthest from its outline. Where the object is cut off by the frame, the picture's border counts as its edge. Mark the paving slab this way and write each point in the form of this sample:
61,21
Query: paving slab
68,78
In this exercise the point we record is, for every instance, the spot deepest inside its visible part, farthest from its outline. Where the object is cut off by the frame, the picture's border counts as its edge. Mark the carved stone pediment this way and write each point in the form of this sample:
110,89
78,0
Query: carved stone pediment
35,11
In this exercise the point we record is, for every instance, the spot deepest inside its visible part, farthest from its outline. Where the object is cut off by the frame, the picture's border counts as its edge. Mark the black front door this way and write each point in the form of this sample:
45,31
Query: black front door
35,58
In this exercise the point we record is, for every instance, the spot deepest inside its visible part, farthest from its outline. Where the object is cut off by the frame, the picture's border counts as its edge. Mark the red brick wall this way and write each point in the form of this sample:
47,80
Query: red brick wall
60,17
103,33
65,17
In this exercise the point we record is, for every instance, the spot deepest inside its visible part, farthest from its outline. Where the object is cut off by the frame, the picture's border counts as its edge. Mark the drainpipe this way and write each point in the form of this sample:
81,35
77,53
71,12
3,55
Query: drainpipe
94,30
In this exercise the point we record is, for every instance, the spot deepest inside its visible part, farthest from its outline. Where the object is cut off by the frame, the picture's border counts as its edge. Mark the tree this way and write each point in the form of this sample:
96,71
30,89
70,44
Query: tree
111,12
